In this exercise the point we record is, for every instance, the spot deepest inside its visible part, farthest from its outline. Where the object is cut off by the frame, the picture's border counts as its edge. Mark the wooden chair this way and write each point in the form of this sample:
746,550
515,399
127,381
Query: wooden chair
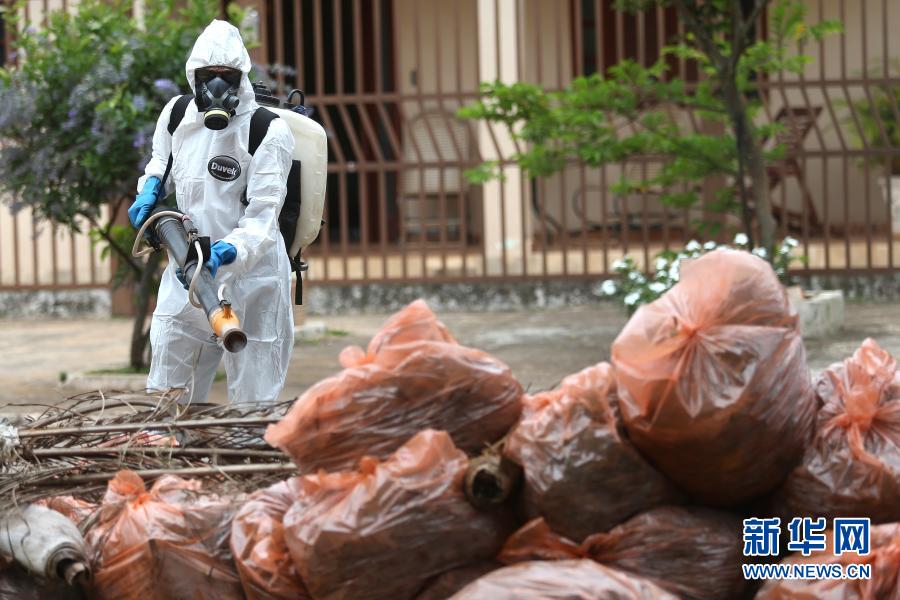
796,122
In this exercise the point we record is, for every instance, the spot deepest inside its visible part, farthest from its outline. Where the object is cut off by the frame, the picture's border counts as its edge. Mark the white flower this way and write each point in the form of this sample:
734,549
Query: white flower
760,252
619,264
709,246
609,287
631,298
692,246
674,270
657,287
790,242
661,263
741,239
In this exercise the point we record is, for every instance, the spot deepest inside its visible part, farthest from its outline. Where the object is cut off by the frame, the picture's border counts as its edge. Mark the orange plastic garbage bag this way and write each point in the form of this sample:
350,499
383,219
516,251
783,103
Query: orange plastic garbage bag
852,467
713,382
414,323
883,560
168,543
446,584
561,580
383,532
414,376
75,509
260,551
691,552
581,473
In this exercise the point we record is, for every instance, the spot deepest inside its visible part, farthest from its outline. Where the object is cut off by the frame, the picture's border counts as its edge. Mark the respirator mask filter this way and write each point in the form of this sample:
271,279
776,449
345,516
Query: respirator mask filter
216,95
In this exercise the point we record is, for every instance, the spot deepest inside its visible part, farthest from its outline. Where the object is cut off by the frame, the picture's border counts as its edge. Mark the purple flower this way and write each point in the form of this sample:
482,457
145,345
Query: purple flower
139,139
72,113
166,85
140,103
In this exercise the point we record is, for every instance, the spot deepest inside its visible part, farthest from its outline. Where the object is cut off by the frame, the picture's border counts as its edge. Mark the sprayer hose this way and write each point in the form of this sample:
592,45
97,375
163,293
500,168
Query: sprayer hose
137,253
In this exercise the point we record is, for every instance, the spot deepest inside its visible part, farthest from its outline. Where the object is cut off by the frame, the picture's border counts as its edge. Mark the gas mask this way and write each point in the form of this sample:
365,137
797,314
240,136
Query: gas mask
216,95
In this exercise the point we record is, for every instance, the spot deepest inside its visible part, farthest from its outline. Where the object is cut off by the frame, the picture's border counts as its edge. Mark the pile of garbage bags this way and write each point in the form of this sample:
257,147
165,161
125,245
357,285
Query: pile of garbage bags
413,376
629,481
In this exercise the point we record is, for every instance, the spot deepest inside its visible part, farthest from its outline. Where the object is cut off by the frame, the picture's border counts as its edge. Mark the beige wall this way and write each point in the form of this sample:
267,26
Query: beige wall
546,44
431,59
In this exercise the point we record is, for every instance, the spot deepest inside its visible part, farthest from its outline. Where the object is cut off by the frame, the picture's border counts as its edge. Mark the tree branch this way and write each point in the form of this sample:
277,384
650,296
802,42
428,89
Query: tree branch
645,99
696,28
685,150
737,25
125,256
744,32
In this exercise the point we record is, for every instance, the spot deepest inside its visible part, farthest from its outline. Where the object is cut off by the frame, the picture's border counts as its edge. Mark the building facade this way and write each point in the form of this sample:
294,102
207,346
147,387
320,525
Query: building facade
386,77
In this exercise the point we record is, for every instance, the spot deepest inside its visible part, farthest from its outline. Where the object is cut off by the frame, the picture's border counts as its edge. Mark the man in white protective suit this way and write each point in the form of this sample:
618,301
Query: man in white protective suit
211,169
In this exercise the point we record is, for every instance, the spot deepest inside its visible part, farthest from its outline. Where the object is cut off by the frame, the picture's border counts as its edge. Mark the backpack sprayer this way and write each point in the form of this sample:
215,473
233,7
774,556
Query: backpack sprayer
175,230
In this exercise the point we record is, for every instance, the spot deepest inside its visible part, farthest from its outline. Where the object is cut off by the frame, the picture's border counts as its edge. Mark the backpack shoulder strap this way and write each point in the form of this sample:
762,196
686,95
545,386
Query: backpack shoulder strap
259,126
177,113
175,118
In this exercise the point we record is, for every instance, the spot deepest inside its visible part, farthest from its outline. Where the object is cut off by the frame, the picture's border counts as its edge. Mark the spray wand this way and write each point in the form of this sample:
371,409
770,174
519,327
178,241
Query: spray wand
176,232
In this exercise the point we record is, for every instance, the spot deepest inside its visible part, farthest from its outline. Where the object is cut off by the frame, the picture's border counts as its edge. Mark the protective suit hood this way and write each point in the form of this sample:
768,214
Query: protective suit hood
220,44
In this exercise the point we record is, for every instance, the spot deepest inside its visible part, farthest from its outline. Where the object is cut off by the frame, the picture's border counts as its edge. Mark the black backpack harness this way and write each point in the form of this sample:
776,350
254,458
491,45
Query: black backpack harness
290,210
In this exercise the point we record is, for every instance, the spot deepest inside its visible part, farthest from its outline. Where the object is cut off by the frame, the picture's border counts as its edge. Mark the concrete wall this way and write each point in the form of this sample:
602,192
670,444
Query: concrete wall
55,303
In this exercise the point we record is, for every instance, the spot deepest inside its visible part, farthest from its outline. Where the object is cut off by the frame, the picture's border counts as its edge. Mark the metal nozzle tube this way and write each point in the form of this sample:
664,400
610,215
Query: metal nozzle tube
222,319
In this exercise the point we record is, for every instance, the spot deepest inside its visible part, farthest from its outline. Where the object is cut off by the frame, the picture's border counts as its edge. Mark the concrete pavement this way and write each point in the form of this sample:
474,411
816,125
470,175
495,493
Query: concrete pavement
542,347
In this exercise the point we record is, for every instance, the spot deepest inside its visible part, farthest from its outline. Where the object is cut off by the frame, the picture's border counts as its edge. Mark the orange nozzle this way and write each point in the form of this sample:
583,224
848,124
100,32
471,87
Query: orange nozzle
227,326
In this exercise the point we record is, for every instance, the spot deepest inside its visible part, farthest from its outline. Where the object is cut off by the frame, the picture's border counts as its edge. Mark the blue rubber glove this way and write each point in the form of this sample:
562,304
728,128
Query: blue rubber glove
144,202
221,253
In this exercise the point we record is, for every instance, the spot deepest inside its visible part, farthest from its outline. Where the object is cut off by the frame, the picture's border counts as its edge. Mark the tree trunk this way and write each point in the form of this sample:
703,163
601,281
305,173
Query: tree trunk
143,292
750,155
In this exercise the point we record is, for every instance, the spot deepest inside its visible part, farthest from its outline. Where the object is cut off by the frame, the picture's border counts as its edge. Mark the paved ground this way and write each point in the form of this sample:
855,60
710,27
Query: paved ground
542,347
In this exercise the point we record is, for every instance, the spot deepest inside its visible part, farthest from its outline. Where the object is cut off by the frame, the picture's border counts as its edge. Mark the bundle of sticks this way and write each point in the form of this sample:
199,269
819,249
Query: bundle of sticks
75,447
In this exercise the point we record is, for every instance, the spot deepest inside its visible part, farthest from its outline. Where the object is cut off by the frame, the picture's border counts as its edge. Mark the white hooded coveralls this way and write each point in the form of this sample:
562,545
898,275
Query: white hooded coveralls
258,283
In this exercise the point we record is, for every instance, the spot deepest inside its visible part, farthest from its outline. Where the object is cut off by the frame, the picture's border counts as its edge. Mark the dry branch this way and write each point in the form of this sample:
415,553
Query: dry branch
88,438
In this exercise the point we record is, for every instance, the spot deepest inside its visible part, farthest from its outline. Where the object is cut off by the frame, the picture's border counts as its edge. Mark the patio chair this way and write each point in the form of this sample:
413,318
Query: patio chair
796,122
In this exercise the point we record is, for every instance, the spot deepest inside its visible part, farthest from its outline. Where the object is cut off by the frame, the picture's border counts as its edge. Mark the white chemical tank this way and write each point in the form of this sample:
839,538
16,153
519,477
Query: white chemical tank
311,150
